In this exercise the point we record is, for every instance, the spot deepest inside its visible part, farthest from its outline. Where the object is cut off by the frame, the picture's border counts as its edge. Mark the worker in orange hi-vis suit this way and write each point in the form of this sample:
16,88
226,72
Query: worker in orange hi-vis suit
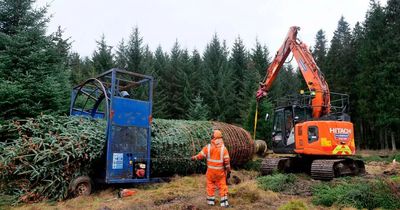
218,167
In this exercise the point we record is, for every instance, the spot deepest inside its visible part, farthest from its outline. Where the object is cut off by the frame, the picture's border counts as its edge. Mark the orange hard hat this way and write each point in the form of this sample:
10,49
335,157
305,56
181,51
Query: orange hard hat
217,134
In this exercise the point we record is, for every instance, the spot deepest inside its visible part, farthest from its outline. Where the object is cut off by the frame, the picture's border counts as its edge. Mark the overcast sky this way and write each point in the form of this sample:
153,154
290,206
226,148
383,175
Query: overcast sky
193,22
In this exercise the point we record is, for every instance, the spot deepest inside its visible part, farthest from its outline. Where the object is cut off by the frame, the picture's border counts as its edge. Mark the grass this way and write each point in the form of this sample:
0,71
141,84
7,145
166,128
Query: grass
276,182
356,193
253,165
248,195
379,156
294,205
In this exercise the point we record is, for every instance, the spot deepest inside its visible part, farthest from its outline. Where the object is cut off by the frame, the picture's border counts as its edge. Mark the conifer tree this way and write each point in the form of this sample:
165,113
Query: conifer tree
196,76
218,81
198,110
161,62
370,81
239,67
260,58
102,57
134,51
33,74
339,62
121,60
392,67
319,50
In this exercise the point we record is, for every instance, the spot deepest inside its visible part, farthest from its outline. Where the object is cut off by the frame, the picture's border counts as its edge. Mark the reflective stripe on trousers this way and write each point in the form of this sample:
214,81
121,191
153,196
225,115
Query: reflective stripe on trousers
210,200
224,201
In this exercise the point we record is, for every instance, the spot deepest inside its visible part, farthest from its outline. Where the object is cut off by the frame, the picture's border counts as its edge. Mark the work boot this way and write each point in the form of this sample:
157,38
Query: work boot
211,200
224,202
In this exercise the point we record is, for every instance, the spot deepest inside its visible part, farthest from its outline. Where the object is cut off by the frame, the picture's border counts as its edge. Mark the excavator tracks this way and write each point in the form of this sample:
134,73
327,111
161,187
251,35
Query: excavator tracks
320,169
269,165
329,169
323,169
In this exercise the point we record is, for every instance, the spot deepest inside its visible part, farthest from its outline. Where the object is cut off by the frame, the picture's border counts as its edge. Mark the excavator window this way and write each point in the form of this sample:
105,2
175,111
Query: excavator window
278,125
302,114
312,134
288,122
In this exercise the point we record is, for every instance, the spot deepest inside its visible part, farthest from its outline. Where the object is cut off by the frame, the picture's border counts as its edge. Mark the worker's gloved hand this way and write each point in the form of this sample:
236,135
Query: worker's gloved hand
193,158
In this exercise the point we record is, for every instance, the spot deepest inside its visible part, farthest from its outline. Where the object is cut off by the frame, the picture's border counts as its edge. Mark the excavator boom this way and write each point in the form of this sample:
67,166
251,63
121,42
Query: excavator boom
309,70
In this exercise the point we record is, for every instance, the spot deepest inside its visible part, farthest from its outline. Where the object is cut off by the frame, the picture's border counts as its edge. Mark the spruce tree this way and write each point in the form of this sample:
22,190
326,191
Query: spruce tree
286,83
33,74
392,70
121,60
260,59
198,110
239,67
63,45
319,50
218,82
371,81
186,78
196,75
178,87
338,70
102,57
134,51
161,62
258,64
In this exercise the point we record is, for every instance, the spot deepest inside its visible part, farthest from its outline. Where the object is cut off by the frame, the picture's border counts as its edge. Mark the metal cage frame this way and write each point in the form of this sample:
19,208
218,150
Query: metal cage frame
107,87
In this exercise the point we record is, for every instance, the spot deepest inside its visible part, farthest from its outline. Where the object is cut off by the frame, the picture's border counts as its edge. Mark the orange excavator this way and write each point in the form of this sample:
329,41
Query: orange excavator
313,127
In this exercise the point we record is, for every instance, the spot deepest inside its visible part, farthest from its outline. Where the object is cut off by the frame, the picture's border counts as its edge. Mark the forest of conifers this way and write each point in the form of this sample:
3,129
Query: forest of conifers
37,71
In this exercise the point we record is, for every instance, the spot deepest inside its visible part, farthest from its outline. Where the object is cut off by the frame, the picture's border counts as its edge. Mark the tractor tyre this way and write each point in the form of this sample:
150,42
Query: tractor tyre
81,186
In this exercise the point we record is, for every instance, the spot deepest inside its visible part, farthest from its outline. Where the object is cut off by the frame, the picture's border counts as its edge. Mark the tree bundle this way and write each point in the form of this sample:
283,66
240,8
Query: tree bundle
39,157
175,141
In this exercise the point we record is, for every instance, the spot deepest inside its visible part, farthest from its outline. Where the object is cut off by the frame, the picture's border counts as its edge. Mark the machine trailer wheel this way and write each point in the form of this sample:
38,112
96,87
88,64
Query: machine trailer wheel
81,186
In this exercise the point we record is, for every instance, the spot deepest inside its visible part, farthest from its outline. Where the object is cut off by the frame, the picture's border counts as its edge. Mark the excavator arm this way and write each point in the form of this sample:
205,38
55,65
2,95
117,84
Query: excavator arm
311,73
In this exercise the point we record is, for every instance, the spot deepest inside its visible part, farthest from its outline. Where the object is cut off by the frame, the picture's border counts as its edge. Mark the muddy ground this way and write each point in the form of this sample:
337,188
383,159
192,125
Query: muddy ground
189,193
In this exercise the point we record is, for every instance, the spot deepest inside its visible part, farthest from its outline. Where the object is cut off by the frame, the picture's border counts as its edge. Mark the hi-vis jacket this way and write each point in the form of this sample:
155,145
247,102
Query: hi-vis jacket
217,155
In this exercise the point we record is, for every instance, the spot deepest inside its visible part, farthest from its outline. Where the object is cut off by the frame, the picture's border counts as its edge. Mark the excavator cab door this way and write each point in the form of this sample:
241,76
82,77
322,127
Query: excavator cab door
283,131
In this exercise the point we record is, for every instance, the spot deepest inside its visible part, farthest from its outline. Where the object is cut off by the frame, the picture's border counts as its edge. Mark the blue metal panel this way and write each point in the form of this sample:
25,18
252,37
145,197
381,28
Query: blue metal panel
130,112
97,115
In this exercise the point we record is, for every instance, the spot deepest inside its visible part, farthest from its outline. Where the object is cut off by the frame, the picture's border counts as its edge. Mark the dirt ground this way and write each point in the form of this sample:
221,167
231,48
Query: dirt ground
189,193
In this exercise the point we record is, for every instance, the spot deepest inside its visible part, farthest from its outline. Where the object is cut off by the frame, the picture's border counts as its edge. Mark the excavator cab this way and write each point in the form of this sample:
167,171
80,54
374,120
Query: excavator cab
285,119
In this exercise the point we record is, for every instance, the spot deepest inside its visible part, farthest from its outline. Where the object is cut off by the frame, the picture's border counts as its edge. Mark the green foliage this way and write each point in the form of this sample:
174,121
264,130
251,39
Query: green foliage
198,110
39,156
287,83
102,57
360,194
32,63
378,158
339,61
253,165
160,93
242,76
264,127
218,82
176,78
276,182
121,60
134,52
294,205
320,50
